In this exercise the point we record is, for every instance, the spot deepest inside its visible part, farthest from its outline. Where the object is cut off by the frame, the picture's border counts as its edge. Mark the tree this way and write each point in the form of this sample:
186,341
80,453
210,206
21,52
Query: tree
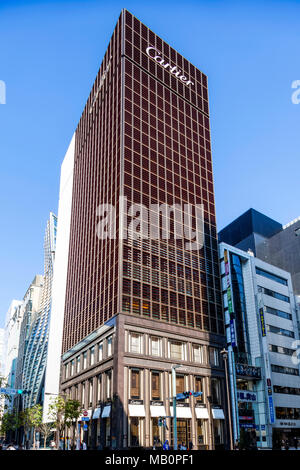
36,419
32,418
63,412
45,429
10,422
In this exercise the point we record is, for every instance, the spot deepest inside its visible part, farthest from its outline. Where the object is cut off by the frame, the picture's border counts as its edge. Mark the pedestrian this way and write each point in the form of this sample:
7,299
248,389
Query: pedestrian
287,446
191,445
84,446
11,447
182,447
295,443
166,445
53,445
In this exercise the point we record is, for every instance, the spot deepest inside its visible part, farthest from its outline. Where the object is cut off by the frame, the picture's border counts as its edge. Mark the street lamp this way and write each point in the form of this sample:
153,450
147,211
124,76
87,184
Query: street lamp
174,367
224,354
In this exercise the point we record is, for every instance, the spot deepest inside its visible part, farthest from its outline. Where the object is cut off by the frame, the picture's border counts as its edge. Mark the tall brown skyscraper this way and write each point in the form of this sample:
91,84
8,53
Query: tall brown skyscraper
134,307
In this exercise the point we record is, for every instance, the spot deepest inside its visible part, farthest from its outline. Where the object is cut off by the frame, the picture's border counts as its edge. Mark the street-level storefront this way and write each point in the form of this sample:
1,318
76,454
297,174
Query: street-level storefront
202,419
136,412
158,420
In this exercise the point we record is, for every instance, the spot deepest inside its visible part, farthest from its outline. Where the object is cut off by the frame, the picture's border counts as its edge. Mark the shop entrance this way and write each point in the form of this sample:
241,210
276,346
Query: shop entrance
183,432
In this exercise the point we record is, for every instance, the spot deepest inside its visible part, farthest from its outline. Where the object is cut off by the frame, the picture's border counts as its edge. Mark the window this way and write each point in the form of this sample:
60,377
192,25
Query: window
179,384
66,370
176,350
215,391
279,313
214,357
109,346
90,392
92,355
274,294
155,386
99,382
108,385
72,366
287,413
135,383
100,351
199,388
284,370
84,359
155,346
286,390
281,350
274,277
280,331
198,353
83,393
78,364
135,343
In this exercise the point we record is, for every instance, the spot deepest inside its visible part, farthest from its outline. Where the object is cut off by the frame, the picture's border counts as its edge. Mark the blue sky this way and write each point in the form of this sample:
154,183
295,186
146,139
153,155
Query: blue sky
50,54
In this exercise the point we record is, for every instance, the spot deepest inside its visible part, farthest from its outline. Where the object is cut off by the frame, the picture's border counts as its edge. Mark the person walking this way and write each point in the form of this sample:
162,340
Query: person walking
11,447
166,445
52,445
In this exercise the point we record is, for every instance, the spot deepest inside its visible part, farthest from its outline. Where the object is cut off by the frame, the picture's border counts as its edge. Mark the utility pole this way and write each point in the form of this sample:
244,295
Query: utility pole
224,354
174,405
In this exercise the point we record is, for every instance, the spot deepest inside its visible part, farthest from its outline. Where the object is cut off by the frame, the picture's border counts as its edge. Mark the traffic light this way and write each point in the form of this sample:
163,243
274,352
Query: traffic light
185,395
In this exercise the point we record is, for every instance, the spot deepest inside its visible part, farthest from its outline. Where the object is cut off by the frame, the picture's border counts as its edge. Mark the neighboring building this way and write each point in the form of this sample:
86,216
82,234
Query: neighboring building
2,352
35,328
2,381
35,357
269,240
12,328
52,374
249,230
262,340
283,250
30,307
134,307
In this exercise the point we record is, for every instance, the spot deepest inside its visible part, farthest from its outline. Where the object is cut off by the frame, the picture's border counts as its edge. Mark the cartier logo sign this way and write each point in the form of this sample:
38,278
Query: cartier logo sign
173,69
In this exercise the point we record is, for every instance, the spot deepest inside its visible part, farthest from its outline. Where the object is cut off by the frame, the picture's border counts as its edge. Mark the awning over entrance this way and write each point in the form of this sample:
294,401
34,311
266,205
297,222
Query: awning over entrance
182,412
201,413
106,411
137,410
96,413
217,413
157,411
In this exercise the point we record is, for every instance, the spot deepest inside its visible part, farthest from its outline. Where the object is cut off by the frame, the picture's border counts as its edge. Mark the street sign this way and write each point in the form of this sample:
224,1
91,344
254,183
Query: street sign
10,391
85,418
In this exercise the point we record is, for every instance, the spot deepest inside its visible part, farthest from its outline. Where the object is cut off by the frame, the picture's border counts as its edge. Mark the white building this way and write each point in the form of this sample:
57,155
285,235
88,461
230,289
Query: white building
1,352
262,339
52,374
11,340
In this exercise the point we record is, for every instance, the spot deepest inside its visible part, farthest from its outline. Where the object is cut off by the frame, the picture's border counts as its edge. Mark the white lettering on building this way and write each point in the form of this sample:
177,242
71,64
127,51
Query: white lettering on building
173,69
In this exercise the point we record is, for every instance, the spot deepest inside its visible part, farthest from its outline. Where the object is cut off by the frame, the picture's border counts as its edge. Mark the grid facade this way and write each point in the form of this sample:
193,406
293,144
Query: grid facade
144,134
167,160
